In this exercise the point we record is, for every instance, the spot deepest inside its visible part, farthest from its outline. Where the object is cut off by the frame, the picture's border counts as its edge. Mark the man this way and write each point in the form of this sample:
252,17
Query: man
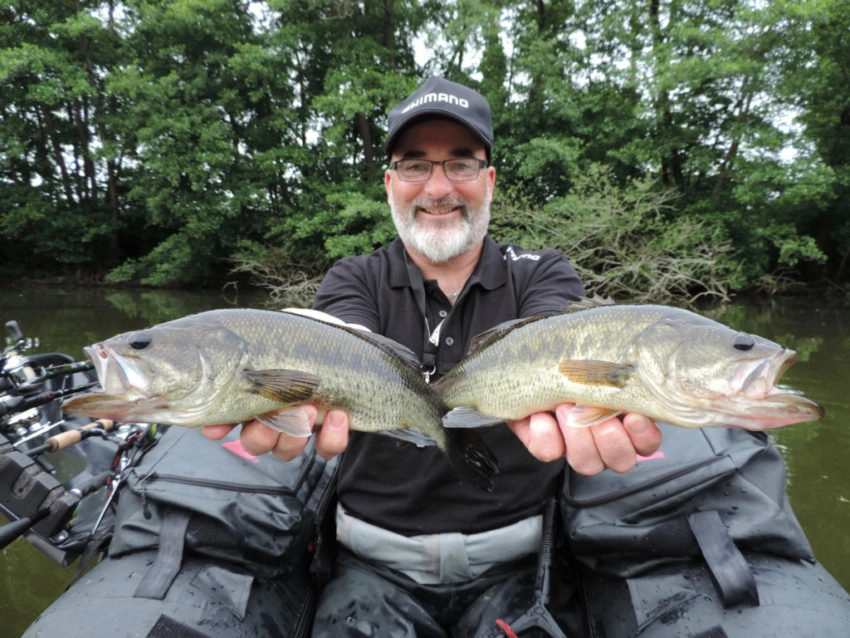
421,550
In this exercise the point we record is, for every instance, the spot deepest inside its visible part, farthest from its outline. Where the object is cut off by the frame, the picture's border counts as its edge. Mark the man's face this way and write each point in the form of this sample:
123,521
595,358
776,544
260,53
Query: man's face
439,218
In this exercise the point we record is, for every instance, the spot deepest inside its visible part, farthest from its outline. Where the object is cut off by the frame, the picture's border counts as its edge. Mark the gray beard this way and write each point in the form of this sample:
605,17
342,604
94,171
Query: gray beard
437,246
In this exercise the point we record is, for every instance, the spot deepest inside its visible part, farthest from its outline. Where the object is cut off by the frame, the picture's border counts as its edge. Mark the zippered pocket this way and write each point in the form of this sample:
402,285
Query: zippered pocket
259,512
626,524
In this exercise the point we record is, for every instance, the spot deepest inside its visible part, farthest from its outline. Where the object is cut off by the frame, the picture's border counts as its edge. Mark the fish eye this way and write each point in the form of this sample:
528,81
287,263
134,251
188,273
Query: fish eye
743,342
140,341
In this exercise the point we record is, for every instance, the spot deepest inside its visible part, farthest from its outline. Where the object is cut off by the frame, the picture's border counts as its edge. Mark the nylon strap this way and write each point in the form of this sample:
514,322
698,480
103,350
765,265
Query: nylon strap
538,615
169,558
727,564
429,349
167,627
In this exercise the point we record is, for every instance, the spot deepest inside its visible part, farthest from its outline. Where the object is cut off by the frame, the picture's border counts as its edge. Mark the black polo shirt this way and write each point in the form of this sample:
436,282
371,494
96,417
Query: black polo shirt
412,490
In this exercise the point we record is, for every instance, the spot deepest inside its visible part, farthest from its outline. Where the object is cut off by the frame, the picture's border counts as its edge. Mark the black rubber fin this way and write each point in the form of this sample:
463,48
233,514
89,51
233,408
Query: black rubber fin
470,455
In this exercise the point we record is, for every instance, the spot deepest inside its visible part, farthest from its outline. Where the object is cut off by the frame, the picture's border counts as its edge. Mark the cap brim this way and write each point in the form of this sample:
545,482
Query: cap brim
431,114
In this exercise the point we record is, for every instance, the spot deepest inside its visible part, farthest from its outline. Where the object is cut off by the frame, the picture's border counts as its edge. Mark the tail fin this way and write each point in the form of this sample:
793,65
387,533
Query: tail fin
470,455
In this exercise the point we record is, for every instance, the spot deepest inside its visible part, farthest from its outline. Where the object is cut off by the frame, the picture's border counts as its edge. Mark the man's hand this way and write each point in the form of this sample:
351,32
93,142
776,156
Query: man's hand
258,438
615,443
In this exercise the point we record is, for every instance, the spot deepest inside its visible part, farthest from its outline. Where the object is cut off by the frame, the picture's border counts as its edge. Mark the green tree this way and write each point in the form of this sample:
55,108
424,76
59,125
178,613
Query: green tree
189,119
622,241
162,140
60,179
356,60
818,82
682,91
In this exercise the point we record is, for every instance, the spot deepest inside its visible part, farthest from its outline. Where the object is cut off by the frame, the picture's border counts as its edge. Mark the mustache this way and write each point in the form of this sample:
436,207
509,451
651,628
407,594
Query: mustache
443,202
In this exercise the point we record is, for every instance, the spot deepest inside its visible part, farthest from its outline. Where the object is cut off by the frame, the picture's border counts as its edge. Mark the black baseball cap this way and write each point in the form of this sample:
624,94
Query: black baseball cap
439,97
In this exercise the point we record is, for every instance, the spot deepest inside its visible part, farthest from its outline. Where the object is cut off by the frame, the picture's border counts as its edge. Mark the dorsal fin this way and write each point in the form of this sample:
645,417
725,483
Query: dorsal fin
587,303
402,352
498,332
492,335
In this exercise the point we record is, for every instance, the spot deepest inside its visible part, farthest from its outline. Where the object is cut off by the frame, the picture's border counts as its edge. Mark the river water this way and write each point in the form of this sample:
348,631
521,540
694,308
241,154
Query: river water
816,453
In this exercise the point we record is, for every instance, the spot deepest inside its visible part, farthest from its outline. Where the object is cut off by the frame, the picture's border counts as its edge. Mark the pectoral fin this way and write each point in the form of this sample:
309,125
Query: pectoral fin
592,372
286,386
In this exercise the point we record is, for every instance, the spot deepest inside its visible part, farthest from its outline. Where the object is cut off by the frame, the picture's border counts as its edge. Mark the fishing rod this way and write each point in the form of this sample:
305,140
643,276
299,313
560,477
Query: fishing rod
18,371
33,384
15,403
56,371
40,432
70,437
16,529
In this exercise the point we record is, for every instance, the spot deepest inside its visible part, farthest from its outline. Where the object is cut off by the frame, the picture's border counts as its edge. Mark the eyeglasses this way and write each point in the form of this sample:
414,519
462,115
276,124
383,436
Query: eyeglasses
456,170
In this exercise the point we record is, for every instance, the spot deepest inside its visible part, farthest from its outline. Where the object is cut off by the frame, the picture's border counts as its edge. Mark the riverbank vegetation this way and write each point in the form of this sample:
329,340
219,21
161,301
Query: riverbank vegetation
670,148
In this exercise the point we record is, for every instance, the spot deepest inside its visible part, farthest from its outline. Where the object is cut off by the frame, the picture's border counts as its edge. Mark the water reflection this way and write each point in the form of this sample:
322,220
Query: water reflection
67,320
816,453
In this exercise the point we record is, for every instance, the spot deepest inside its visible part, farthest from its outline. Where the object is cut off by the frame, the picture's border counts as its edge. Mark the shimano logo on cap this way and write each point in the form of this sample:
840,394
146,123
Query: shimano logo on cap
429,98
442,98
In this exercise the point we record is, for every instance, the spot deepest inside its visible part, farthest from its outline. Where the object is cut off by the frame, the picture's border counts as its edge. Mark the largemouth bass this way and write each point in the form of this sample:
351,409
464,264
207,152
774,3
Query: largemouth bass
229,366
667,363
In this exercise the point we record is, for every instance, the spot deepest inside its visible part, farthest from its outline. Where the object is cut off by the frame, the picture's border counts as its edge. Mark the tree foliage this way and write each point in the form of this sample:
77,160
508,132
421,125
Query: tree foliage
623,240
157,142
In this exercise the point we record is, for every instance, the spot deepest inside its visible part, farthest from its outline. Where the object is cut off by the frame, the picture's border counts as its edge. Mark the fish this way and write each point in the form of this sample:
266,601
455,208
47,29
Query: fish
670,364
233,365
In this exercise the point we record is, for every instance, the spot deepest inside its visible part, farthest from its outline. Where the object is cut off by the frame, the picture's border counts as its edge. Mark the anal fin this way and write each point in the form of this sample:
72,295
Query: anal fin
466,417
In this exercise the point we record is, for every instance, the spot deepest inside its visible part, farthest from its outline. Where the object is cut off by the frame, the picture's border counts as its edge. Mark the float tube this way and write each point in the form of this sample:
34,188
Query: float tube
200,539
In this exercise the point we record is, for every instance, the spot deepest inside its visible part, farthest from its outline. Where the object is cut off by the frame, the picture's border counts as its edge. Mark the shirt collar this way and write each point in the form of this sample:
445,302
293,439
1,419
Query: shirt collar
489,273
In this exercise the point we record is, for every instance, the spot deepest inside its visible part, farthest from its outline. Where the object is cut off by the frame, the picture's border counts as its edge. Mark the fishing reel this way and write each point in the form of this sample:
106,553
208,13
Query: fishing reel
14,368
34,381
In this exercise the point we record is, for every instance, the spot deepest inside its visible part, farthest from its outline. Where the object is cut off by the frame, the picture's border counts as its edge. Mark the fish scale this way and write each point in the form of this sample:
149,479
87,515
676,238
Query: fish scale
667,363
233,365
